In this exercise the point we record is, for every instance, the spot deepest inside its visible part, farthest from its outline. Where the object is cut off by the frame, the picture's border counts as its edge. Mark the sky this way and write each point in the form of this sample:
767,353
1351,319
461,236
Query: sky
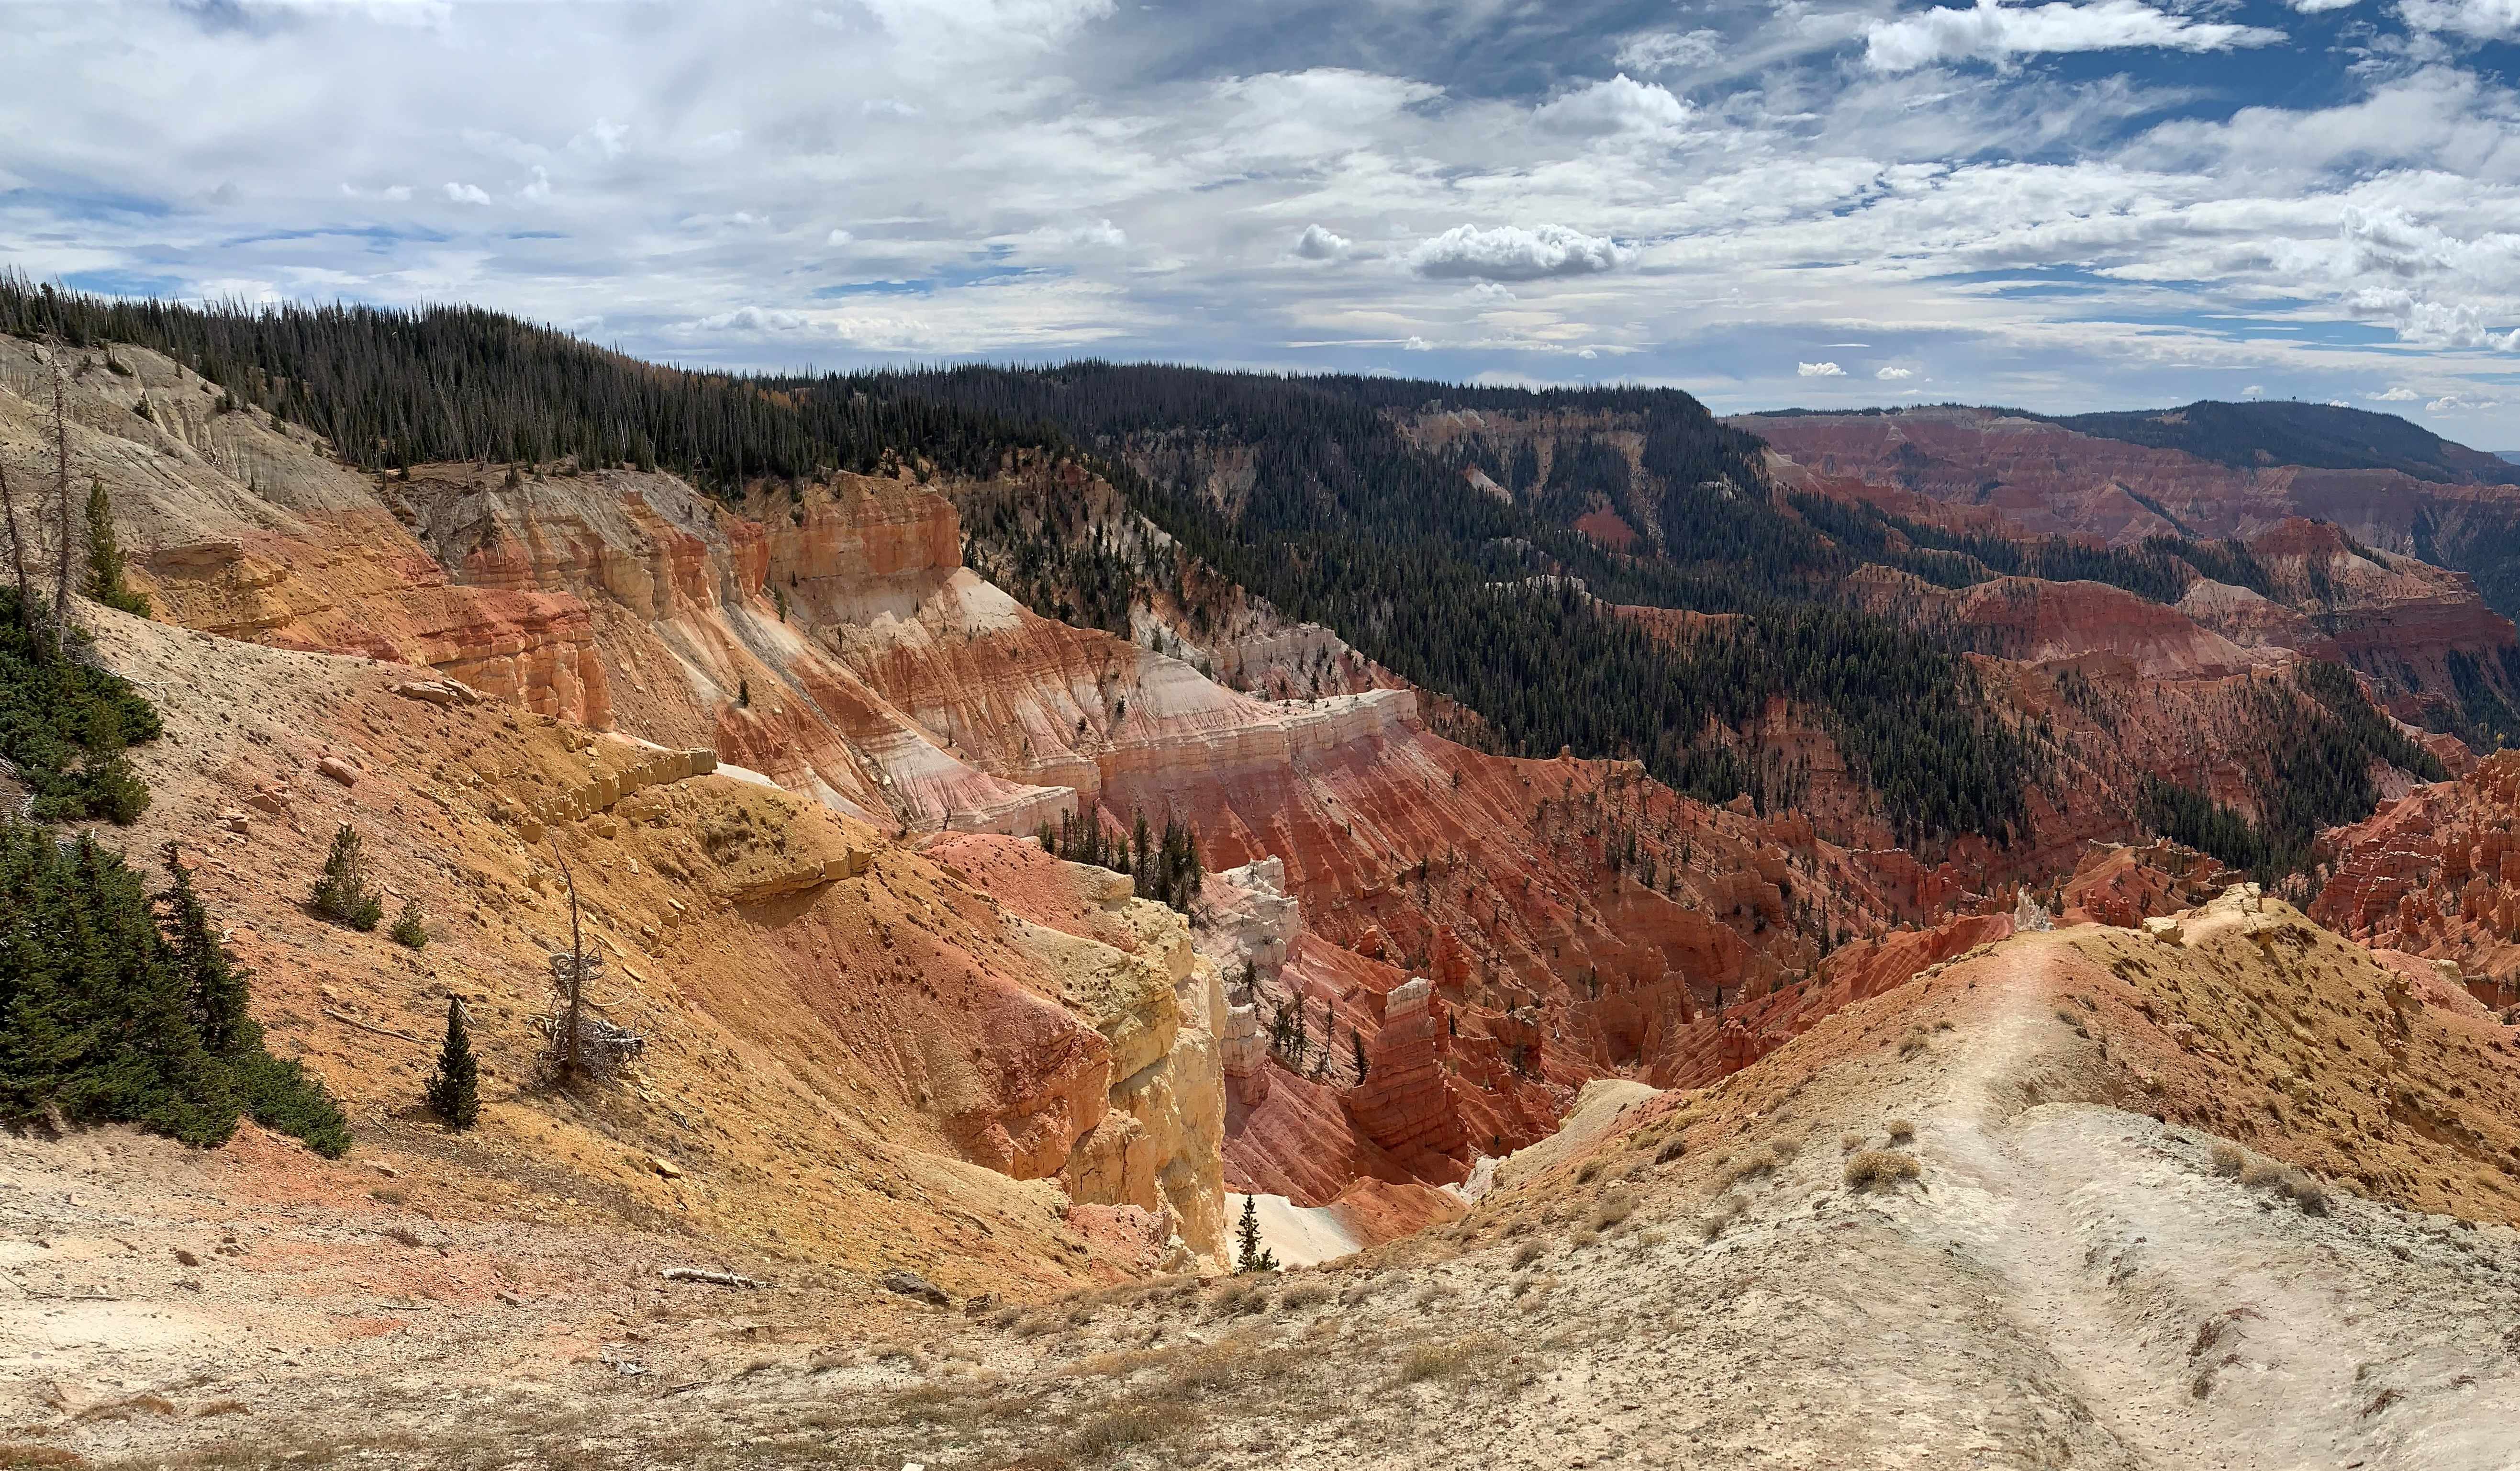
2065,206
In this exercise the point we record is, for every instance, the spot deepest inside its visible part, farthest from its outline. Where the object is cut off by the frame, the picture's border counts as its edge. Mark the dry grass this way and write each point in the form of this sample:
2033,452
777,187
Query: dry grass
1750,1164
1453,1359
1528,1253
1879,1167
1611,1208
1719,1217
1304,1295
1591,1171
1672,1148
1901,1130
2230,1160
1122,1428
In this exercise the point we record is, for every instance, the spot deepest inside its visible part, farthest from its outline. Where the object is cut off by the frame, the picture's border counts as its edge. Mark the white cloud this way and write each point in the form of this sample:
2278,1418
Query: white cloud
2399,394
393,193
2253,391
1491,291
1994,32
1819,370
2472,20
1894,374
603,138
540,188
2461,403
2319,7
1318,244
466,193
838,238
755,319
1667,50
1511,253
1617,107
1417,344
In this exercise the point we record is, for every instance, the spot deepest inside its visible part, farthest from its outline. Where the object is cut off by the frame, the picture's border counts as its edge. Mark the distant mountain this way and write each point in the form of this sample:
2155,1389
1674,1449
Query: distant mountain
2319,435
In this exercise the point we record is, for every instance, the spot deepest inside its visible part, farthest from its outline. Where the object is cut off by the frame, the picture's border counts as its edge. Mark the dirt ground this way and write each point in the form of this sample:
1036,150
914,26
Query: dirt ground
2064,1284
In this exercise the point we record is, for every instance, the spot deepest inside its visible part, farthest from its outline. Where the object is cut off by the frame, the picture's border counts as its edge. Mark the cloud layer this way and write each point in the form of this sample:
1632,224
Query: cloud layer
2071,205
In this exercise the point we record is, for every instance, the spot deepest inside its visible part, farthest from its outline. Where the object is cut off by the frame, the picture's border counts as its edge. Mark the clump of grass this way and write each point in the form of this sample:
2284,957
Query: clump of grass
1451,1358
1591,1171
2229,1160
1719,1217
1611,1208
1849,1143
1672,1148
1119,1429
1304,1295
1879,1167
1748,1165
1528,1253
1916,1041
2257,1175
1901,1130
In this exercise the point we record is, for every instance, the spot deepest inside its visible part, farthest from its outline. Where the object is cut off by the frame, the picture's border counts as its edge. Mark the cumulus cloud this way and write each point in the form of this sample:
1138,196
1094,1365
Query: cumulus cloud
466,193
2399,394
1894,374
393,193
1318,244
2458,403
2426,323
2470,20
838,238
1993,32
1511,253
2253,391
755,319
1819,370
1606,109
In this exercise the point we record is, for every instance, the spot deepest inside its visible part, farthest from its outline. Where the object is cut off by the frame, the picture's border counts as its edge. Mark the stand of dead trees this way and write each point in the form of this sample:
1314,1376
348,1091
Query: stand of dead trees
51,622
576,1044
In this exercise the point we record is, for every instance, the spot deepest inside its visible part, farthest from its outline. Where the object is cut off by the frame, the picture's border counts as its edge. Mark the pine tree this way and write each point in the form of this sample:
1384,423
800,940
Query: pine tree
104,557
408,927
342,892
1356,1044
743,694
214,984
455,1088
1249,1254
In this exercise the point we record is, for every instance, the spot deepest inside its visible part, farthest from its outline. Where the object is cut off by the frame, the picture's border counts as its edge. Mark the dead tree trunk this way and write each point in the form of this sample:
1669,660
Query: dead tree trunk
568,1059
67,550
17,553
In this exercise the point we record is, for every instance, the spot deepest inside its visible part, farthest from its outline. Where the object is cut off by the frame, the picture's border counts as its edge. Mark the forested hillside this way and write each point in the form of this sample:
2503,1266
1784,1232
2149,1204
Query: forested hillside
1428,525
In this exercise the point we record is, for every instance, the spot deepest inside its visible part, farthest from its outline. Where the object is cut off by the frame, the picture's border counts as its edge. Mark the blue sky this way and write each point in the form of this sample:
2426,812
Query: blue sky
2083,204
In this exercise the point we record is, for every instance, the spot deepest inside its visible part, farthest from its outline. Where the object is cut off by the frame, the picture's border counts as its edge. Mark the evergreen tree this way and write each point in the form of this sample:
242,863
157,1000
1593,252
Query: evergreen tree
1356,1044
743,694
455,1088
342,892
408,927
104,557
214,985
1249,1254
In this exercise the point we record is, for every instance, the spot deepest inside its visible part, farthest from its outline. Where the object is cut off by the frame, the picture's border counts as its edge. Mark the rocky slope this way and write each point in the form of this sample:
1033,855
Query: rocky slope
1573,917
2222,1192
2347,548
2434,874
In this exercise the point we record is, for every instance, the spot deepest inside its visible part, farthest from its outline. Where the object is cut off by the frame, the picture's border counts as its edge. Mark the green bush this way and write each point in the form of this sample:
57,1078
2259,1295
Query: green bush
65,724
111,1013
342,892
409,927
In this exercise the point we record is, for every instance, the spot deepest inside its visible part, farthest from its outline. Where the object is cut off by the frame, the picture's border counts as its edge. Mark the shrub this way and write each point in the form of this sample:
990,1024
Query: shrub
1611,1208
65,724
137,1023
1528,1253
1672,1148
1901,1130
1879,1167
1591,1171
342,892
409,927
2229,1160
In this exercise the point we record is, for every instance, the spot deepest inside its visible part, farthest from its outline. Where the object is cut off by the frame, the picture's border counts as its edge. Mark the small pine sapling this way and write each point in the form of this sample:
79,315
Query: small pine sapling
409,927
342,892
1249,1255
455,1088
